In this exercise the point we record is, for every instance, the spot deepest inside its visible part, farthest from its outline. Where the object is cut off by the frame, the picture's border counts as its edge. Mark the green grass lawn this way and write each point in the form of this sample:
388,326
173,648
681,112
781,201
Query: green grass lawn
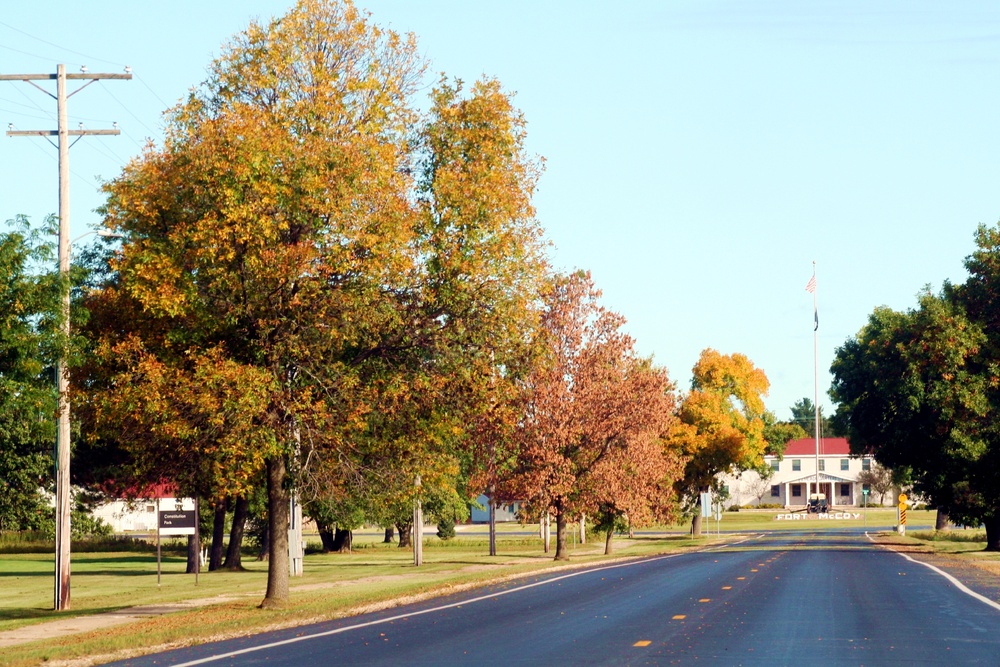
332,585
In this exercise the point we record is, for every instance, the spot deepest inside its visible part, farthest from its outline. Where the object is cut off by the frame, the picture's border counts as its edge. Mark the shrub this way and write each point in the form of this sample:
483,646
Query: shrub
446,529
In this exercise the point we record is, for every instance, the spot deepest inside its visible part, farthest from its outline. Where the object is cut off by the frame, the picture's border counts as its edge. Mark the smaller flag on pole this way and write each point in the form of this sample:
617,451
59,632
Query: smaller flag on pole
811,285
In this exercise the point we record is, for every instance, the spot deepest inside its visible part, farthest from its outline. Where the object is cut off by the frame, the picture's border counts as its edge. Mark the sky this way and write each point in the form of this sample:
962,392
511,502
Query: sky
700,155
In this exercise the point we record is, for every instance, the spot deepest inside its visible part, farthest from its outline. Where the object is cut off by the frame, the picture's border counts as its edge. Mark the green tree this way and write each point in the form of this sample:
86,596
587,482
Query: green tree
28,307
779,434
915,390
804,415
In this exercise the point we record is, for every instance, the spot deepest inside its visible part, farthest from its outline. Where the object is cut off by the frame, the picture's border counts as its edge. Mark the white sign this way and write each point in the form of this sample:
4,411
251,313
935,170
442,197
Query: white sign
706,505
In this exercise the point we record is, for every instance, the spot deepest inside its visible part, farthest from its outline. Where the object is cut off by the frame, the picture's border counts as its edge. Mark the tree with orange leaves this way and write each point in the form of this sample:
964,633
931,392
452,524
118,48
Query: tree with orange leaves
633,486
721,423
592,407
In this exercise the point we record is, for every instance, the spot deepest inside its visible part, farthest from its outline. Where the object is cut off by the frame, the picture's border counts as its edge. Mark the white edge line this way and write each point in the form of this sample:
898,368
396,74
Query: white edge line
293,640
958,584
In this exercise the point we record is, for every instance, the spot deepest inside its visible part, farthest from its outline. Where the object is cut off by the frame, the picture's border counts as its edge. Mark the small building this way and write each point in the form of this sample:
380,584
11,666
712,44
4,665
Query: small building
503,512
139,514
794,476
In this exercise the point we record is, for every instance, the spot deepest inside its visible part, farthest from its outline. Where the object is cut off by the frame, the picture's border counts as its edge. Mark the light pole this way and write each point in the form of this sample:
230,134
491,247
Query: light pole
63,534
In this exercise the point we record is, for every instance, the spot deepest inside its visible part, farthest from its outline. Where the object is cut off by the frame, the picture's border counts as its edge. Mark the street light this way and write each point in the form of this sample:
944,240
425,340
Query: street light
63,535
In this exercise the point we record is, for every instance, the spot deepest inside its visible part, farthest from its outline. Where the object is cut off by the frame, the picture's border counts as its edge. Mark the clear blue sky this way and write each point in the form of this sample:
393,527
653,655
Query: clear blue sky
700,154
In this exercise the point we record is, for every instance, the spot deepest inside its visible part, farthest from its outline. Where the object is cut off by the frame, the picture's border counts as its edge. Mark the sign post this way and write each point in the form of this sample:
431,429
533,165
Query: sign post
864,497
175,522
903,504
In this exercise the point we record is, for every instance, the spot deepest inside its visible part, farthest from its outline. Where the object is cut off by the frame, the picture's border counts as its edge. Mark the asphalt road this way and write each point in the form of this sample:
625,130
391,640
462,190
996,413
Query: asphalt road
793,598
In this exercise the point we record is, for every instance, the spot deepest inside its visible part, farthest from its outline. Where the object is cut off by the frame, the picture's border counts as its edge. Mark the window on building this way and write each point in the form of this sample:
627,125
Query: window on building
796,464
822,464
150,508
775,491
845,464
866,464
845,490
797,490
775,464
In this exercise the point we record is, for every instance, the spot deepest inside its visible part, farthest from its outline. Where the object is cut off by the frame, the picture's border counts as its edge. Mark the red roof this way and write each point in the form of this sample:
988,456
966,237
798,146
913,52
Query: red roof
827,447
136,492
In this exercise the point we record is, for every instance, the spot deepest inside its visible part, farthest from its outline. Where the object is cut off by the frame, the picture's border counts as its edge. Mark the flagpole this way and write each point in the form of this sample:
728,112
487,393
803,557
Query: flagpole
811,288
816,373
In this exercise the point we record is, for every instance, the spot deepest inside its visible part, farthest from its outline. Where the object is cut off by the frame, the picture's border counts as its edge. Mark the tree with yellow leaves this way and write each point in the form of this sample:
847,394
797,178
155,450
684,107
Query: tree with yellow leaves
721,423
349,268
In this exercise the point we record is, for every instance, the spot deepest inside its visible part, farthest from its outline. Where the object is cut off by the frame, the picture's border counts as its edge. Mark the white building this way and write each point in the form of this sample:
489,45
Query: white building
794,476
138,516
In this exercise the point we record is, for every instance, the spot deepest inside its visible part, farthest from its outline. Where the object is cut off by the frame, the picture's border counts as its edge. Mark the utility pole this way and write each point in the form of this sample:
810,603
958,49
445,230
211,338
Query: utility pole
62,569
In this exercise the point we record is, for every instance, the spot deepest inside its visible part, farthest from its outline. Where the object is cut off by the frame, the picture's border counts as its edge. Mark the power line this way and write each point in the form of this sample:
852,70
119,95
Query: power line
153,92
58,46
24,53
35,104
25,115
122,105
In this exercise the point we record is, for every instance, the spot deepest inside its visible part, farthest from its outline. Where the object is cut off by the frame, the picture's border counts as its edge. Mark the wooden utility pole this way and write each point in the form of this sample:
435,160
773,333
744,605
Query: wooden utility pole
62,131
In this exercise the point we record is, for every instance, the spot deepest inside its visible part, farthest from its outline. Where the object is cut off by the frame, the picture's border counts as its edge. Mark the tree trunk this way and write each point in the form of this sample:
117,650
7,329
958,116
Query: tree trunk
992,533
493,522
342,541
696,523
941,523
218,534
389,535
561,552
265,547
277,529
608,542
326,537
194,552
234,560
403,528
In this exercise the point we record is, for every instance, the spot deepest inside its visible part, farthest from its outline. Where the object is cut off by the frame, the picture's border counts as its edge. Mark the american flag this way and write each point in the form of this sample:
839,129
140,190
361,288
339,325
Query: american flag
811,285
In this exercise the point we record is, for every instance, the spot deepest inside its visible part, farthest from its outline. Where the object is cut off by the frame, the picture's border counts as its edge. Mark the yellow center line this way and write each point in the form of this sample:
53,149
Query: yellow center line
741,578
705,600
727,588
644,642
679,617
